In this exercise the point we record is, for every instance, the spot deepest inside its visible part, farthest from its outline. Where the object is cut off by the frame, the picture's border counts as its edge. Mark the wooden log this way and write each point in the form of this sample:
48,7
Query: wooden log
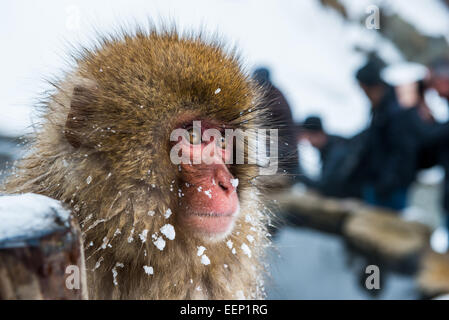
378,234
433,276
387,238
316,212
41,252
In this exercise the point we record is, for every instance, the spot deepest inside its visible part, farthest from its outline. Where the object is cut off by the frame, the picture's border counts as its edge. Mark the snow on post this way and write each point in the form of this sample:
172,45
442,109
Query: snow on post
41,253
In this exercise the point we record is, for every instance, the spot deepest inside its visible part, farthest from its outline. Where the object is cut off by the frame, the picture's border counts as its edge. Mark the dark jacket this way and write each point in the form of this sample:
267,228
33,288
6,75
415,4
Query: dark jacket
444,160
401,142
410,134
437,143
331,155
381,157
339,158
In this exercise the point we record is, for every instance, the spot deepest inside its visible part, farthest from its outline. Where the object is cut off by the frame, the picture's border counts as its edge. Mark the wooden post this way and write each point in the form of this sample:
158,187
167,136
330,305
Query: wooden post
41,252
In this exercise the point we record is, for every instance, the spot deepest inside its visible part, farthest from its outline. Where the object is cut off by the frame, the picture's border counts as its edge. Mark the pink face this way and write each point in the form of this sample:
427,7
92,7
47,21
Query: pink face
209,204
408,95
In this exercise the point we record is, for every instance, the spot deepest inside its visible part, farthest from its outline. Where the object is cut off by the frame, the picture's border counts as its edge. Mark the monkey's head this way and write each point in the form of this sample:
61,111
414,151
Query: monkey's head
150,139
140,103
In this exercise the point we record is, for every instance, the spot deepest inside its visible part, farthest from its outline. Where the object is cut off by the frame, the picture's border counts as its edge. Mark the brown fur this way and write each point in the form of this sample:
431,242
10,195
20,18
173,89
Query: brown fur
103,148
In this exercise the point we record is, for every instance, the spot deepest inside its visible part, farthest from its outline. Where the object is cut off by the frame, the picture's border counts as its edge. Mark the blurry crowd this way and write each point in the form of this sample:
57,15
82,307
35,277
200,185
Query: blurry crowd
379,164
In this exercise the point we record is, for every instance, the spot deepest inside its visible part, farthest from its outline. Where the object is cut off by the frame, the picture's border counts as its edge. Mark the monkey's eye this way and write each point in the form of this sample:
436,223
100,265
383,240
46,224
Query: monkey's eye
193,137
222,142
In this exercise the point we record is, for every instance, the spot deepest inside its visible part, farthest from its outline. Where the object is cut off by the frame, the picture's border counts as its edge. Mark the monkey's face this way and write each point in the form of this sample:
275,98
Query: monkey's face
139,91
209,203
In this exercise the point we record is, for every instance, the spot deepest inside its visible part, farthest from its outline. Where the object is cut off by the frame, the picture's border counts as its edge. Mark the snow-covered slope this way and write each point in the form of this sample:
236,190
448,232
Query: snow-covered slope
431,17
308,47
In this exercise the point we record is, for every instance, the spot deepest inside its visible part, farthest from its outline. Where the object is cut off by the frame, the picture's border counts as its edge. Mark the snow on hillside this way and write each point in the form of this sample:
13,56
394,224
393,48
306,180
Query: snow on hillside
308,47
431,17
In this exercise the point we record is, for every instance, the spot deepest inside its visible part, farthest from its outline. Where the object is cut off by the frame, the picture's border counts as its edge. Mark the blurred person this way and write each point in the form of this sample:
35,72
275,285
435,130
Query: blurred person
439,80
380,159
413,126
408,80
335,155
288,166
282,119
439,76
332,150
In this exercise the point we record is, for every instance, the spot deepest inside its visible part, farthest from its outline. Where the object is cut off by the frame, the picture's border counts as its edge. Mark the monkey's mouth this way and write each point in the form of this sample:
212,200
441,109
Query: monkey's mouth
211,223
213,214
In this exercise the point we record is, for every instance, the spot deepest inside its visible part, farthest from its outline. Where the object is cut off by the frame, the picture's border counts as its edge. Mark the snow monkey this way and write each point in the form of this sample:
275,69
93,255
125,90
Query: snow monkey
154,228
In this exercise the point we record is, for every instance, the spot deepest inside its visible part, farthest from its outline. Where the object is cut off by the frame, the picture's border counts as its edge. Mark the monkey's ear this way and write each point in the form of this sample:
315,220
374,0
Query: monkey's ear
80,112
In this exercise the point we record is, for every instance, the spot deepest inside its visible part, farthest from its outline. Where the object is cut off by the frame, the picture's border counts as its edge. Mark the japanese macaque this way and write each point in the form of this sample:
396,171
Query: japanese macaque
154,229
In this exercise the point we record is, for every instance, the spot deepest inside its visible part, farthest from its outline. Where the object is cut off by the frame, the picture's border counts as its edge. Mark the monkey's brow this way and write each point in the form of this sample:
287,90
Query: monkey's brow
205,124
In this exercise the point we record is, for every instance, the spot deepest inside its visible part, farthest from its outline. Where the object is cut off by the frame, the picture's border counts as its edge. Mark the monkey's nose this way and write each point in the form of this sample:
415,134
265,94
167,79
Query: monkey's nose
222,186
224,178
